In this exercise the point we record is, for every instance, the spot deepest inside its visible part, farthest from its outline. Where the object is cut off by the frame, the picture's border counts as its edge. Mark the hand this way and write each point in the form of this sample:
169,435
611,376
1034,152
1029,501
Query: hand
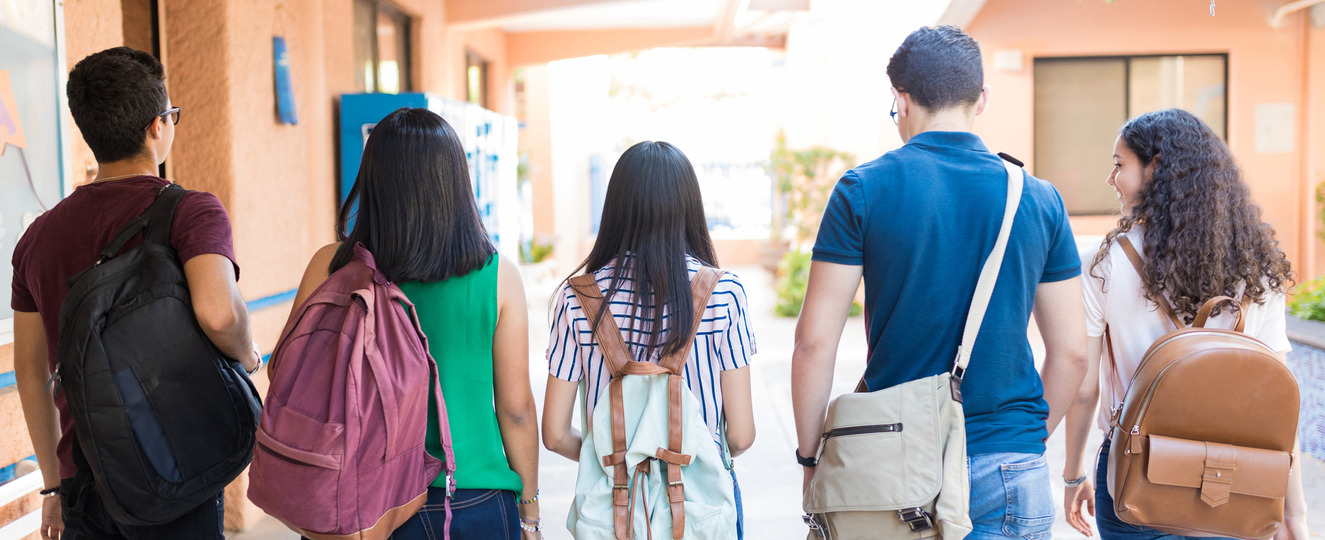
1074,498
528,513
1293,528
52,522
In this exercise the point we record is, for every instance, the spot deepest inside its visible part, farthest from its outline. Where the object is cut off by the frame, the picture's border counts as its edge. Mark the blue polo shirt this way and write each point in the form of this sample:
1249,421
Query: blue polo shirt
921,220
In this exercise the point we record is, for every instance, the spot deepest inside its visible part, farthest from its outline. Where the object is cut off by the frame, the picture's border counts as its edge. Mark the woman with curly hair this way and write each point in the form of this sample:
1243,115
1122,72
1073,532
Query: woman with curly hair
1186,208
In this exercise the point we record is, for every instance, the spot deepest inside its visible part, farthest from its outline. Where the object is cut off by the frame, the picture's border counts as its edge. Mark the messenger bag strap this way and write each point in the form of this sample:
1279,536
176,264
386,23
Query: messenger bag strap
610,344
1135,257
984,286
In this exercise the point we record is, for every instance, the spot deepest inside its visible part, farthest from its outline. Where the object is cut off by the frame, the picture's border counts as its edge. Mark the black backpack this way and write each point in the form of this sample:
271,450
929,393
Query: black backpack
163,419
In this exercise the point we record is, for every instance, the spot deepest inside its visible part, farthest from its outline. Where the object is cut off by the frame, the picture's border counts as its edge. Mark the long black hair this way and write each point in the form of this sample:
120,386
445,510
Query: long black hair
653,217
416,213
1204,236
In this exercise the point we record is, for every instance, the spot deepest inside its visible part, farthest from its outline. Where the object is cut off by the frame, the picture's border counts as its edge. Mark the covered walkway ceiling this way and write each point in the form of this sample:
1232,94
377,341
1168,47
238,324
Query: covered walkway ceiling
540,31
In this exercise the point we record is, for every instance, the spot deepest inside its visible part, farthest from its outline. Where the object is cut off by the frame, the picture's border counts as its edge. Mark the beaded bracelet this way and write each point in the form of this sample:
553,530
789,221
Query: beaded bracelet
527,525
533,500
1077,482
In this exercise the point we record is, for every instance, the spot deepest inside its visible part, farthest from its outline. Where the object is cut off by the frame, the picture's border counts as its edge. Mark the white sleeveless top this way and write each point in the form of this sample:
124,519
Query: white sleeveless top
1135,323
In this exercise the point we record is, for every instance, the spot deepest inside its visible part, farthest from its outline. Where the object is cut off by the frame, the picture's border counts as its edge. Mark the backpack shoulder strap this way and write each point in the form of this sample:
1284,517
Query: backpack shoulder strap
1135,257
701,288
161,214
605,330
162,210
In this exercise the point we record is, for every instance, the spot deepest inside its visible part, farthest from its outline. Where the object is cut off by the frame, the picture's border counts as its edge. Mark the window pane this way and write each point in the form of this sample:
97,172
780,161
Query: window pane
365,16
390,56
1079,106
476,73
1192,83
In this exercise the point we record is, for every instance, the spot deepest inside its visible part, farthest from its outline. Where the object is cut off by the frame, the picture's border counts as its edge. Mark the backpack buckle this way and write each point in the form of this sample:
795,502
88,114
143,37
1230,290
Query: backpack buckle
450,485
917,518
810,522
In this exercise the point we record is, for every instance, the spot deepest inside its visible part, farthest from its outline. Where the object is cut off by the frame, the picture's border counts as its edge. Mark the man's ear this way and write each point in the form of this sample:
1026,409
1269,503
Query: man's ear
903,102
982,101
154,130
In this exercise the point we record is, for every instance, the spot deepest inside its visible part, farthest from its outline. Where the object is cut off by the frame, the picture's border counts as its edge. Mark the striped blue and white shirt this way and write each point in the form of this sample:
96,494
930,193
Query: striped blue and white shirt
724,340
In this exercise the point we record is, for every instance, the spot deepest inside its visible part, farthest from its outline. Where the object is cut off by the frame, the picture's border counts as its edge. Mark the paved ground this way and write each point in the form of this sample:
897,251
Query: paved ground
770,479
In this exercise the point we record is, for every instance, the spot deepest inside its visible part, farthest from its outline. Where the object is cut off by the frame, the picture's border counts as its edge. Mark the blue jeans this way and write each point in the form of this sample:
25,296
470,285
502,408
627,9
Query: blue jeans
1112,528
85,517
740,512
475,513
1010,496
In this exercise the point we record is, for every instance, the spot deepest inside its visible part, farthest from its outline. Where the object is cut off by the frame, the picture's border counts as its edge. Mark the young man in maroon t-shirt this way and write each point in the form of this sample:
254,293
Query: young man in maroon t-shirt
119,101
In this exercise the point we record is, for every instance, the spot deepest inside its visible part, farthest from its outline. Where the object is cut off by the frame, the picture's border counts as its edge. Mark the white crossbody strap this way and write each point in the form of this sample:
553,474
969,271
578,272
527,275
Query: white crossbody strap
984,287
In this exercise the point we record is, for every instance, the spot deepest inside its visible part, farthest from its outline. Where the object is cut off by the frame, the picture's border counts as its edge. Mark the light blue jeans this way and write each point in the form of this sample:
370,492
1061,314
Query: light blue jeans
1010,496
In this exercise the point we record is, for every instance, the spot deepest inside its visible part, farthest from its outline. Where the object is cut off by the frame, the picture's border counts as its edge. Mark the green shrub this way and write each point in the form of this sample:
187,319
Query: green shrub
535,250
793,279
1309,300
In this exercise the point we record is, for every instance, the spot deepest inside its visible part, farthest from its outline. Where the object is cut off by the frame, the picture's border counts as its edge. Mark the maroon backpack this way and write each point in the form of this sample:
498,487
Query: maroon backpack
340,448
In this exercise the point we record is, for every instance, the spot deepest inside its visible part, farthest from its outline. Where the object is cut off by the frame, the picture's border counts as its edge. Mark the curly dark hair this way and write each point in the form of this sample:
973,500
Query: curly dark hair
1204,236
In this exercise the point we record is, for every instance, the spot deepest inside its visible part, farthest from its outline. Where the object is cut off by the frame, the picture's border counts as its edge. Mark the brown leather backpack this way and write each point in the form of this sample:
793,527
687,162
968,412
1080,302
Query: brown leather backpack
1203,443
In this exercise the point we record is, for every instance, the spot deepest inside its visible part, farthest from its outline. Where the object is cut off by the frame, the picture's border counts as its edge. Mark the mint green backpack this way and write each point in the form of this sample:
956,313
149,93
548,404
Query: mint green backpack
648,466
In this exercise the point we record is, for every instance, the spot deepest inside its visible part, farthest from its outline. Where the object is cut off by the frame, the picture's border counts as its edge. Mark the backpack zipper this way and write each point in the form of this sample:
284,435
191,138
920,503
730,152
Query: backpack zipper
1134,436
861,430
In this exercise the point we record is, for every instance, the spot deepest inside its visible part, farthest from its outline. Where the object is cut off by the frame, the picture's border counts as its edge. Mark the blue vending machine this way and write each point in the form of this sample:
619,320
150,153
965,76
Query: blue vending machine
490,142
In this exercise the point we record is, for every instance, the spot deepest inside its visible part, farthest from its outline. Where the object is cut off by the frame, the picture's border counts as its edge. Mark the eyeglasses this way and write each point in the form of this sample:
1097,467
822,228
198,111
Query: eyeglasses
172,112
893,112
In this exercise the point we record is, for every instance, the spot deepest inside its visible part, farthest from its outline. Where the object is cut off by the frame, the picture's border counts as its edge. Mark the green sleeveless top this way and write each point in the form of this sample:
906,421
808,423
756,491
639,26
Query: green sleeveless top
459,316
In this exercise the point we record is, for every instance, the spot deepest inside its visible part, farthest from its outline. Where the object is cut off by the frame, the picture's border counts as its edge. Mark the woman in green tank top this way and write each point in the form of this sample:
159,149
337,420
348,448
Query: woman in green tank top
417,215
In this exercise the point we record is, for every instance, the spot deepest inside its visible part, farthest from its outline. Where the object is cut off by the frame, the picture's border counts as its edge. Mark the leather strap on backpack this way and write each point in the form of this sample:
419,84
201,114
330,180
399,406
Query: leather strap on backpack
618,359
1135,257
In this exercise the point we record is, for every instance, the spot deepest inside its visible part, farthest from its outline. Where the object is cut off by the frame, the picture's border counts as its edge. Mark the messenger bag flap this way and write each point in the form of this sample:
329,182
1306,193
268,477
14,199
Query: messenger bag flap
1218,469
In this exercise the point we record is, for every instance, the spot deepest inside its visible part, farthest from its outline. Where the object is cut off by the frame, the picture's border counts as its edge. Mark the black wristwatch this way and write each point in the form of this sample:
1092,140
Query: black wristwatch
806,461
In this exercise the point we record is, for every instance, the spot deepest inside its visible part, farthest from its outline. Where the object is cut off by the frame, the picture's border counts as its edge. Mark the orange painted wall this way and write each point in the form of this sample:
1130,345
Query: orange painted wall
1264,65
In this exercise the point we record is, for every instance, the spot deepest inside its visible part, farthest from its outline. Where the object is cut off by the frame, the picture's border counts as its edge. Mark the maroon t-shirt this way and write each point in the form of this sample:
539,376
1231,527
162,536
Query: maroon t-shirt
68,238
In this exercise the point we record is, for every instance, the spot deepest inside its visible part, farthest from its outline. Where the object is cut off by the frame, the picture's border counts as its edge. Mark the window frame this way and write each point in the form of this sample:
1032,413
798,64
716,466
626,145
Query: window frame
405,24
1127,89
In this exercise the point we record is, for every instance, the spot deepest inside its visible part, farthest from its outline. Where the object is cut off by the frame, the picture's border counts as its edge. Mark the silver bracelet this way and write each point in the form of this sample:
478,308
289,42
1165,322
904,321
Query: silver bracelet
1077,482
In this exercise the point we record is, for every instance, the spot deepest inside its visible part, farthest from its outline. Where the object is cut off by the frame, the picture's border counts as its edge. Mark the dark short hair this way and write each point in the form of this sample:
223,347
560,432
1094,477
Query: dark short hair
113,96
415,204
939,66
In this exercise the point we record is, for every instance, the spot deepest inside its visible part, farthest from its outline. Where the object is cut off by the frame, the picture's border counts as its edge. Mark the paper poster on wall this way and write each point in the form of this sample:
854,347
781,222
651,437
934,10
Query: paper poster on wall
31,164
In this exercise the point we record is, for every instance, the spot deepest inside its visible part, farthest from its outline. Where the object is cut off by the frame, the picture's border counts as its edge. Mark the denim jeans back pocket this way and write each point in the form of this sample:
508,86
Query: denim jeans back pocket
1030,504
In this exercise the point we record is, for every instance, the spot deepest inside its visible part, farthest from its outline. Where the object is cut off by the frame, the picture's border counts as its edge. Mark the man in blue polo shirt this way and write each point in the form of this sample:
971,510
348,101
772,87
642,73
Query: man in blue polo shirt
917,224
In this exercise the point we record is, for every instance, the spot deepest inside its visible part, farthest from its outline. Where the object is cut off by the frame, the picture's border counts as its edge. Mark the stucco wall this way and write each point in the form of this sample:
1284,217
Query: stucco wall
1265,65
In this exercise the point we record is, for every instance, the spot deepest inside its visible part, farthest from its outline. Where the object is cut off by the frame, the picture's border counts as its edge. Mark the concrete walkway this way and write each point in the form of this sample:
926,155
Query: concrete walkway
770,479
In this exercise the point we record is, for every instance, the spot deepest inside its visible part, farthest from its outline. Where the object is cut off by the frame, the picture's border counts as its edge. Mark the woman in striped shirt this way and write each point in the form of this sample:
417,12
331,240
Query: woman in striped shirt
652,241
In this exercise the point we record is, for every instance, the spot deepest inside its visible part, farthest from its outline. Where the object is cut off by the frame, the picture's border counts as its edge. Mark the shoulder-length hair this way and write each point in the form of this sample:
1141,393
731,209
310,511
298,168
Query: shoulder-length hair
1203,234
653,218
416,209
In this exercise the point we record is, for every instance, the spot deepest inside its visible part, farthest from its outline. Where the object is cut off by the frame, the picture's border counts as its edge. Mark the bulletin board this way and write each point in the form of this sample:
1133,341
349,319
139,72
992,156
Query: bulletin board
32,141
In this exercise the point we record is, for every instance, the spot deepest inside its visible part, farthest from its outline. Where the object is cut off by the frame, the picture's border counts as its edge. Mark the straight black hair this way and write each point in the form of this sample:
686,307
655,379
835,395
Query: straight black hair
653,217
114,95
939,66
417,213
